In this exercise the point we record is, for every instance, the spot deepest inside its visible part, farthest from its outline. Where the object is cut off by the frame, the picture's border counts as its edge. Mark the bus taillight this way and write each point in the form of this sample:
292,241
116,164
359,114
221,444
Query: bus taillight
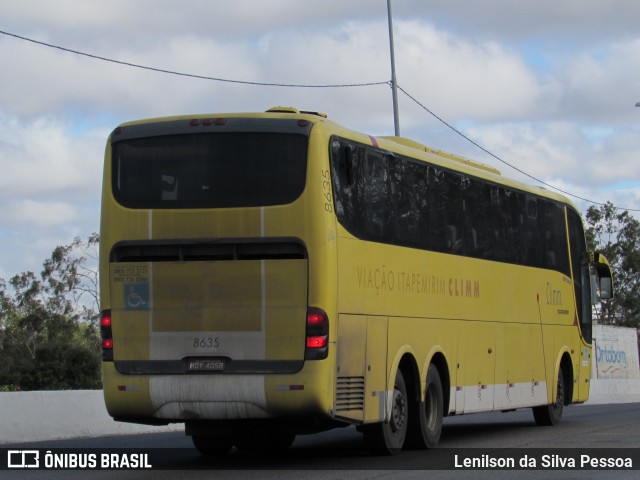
107,336
317,339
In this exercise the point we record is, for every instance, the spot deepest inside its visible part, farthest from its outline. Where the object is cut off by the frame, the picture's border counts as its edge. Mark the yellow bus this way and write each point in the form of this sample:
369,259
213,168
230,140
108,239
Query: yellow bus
265,275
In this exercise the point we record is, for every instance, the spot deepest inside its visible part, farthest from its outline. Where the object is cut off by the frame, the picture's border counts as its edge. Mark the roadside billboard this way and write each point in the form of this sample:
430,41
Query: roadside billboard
615,352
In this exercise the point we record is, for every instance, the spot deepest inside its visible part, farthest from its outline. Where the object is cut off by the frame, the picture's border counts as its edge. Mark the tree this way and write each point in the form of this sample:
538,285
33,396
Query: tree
49,334
616,234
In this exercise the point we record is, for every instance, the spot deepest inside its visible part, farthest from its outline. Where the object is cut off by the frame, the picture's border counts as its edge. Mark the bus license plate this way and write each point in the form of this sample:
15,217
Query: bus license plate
207,365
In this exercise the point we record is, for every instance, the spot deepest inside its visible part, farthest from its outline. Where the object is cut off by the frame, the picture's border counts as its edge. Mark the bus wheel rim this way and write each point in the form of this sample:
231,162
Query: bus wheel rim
398,411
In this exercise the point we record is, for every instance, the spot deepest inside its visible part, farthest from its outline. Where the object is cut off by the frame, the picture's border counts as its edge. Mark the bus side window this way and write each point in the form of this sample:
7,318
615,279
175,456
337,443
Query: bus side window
409,190
348,185
555,238
476,201
376,192
437,210
454,205
581,273
534,235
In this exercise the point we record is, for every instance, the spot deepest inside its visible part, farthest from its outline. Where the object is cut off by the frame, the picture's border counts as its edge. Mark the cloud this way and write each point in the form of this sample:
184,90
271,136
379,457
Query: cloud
602,85
40,158
466,80
49,188
37,214
549,24
565,150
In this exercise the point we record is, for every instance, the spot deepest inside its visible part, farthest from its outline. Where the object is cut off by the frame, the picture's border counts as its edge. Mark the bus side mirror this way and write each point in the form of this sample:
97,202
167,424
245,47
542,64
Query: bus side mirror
603,275
606,288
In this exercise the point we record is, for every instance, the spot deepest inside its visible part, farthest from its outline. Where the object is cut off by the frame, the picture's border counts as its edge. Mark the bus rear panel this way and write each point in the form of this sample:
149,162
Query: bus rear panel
205,276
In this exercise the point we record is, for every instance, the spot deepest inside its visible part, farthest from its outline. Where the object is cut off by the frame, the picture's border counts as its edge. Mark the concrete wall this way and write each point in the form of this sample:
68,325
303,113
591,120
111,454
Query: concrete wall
614,391
35,416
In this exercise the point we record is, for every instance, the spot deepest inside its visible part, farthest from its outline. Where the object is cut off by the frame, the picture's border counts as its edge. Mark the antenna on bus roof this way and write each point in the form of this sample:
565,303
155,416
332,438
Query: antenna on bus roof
394,82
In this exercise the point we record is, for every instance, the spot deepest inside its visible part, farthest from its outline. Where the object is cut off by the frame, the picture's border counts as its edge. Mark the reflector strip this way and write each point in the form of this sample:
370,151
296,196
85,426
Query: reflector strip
128,388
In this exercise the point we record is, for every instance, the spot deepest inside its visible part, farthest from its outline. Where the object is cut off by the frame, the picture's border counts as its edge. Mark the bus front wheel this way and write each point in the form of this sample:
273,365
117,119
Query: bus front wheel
548,415
387,438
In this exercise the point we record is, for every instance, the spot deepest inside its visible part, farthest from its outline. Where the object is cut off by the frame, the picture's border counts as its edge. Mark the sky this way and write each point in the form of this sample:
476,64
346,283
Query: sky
548,86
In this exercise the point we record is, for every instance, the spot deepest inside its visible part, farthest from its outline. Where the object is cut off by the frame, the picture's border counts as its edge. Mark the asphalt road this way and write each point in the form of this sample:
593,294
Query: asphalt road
342,453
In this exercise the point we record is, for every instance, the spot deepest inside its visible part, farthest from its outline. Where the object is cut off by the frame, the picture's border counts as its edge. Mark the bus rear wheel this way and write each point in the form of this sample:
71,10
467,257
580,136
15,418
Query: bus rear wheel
387,438
426,417
264,440
433,411
212,445
548,415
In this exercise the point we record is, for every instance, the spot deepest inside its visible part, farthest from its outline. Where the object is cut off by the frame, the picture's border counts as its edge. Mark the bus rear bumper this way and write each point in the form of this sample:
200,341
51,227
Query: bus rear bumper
178,398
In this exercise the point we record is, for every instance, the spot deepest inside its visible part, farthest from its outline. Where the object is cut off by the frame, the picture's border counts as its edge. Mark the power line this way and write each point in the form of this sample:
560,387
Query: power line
293,85
473,142
189,75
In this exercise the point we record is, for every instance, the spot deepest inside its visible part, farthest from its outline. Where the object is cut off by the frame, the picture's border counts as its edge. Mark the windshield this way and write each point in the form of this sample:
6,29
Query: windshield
209,170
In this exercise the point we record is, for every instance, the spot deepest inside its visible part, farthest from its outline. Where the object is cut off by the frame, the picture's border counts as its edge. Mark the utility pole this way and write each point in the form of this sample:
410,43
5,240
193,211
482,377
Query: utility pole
394,82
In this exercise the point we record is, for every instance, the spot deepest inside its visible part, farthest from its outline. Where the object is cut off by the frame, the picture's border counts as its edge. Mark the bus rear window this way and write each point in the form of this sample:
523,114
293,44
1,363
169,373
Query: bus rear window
209,170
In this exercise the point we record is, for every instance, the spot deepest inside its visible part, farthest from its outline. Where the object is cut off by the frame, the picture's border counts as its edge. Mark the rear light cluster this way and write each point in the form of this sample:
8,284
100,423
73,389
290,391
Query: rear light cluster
316,341
317,338
107,336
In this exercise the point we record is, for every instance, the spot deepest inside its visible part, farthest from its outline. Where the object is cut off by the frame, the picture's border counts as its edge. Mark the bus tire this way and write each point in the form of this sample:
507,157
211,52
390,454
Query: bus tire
212,445
387,438
426,424
548,415
433,411
264,440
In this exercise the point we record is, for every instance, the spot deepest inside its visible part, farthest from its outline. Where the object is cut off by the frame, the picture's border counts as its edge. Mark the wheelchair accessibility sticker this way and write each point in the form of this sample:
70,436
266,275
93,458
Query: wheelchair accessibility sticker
136,296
